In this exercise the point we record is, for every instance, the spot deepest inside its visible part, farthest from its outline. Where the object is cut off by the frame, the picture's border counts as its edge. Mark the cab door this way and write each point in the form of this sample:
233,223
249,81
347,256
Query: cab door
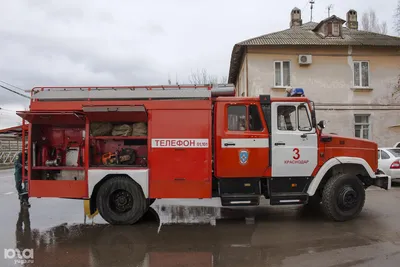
294,140
242,144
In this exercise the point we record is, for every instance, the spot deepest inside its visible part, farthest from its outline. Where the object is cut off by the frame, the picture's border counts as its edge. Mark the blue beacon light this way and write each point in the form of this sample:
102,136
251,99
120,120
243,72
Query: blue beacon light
296,92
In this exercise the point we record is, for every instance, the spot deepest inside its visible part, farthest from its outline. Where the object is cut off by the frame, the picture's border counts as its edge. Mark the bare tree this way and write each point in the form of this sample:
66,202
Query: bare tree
397,19
370,22
203,77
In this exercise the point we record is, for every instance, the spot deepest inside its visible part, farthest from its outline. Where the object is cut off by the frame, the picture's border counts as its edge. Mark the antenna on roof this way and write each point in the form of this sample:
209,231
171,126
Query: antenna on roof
329,10
312,2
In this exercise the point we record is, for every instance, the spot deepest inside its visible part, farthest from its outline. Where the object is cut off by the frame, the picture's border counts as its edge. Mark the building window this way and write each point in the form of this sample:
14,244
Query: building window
362,126
282,73
361,74
336,29
329,28
332,29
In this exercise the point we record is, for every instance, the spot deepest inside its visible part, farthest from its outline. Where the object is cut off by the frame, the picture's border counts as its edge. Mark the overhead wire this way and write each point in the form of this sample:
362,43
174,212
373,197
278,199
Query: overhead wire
16,87
15,92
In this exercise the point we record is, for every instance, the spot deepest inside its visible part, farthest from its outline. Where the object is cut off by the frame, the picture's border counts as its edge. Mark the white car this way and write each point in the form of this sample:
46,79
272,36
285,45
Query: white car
389,161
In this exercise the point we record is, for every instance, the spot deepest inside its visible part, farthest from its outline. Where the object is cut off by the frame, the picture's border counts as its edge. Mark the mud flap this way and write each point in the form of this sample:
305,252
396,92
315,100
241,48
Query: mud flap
86,208
382,181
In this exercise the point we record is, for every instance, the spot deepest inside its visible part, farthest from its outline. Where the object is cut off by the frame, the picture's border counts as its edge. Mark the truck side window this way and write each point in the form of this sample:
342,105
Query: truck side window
287,118
254,119
237,118
304,119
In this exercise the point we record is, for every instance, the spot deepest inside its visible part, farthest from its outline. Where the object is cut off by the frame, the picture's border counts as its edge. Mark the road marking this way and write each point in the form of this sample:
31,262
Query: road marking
8,193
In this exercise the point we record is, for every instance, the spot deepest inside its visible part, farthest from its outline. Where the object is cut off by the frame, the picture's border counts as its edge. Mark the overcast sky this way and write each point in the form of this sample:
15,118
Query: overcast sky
121,42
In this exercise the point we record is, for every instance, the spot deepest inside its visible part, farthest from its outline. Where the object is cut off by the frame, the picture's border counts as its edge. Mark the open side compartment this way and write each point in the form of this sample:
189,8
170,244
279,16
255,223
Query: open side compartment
56,154
118,136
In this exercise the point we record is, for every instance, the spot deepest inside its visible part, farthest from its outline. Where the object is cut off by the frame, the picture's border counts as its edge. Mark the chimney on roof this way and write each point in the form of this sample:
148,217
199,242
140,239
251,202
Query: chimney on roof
295,18
352,22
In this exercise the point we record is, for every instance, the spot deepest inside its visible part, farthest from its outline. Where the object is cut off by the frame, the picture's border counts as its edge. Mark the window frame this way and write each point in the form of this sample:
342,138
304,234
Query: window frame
329,28
247,121
296,116
281,73
295,127
385,153
227,117
308,116
335,25
360,62
390,151
363,124
260,116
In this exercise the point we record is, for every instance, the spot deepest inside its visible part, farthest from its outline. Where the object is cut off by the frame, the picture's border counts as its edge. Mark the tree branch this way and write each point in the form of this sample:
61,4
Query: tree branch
369,22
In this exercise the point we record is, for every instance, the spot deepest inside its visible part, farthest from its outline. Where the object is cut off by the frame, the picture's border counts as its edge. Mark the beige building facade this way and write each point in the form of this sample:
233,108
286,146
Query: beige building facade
351,75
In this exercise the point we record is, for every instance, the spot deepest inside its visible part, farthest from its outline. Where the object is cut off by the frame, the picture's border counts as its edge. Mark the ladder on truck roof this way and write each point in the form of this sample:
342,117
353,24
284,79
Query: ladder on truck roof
131,92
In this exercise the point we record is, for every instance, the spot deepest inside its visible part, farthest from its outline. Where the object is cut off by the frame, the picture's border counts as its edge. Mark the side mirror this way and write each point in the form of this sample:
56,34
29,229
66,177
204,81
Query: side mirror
322,124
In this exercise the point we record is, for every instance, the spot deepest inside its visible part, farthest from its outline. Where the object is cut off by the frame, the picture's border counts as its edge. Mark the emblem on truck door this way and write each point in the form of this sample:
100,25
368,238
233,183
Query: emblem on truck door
243,156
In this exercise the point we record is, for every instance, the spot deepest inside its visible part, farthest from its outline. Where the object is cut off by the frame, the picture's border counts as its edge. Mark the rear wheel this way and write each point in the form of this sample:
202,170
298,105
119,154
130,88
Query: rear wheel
343,197
121,201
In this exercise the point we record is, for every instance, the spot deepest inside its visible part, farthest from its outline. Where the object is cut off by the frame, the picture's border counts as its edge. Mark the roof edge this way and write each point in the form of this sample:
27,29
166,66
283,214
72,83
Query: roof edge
236,58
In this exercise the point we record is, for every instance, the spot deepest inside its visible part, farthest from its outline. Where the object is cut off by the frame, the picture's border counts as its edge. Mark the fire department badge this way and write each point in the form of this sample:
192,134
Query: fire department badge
243,156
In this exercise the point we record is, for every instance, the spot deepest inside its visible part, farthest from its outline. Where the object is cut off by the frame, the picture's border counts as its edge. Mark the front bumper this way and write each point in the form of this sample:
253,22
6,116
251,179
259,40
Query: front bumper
383,181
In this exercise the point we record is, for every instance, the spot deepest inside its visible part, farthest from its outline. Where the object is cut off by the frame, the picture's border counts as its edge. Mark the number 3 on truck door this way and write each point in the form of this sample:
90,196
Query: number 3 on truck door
292,154
296,154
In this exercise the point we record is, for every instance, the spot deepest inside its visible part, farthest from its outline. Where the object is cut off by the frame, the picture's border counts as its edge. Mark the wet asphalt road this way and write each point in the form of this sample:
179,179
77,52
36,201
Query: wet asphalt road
200,233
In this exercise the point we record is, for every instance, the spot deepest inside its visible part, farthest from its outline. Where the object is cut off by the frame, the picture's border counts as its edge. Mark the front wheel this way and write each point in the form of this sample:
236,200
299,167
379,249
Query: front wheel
121,201
343,197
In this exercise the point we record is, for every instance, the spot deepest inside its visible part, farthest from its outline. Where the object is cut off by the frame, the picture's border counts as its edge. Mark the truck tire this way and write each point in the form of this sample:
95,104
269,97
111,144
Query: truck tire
121,201
343,197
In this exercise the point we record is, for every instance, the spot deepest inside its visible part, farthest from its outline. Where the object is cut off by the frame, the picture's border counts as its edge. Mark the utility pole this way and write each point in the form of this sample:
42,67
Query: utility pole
329,10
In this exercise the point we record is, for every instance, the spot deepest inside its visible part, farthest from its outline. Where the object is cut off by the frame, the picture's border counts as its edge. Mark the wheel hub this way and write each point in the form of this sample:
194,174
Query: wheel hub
348,198
121,201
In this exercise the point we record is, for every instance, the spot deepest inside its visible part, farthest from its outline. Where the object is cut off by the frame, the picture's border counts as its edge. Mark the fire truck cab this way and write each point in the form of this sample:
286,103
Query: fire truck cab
199,142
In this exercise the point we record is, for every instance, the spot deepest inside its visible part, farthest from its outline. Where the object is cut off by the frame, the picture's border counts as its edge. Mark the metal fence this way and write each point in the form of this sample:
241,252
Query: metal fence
9,149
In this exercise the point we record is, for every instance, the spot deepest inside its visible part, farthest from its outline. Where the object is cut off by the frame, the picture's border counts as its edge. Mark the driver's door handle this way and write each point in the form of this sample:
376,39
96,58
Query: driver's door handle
229,144
280,144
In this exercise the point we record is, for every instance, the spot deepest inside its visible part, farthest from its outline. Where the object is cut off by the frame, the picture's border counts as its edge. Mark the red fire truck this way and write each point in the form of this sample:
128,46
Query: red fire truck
198,142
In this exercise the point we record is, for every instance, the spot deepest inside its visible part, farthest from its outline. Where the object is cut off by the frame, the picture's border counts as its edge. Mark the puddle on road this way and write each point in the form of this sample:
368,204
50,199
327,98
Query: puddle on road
195,236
